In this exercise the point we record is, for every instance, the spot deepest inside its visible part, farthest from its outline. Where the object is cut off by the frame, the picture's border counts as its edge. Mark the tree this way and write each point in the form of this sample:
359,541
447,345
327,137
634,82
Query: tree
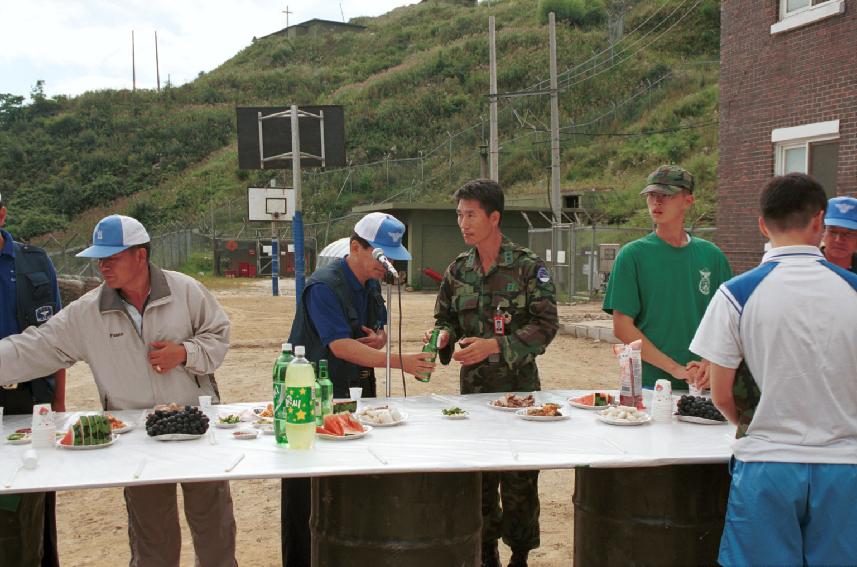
11,109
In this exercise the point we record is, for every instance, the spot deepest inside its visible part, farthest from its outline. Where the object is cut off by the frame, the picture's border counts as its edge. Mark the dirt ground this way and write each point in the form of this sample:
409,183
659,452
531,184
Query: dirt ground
93,523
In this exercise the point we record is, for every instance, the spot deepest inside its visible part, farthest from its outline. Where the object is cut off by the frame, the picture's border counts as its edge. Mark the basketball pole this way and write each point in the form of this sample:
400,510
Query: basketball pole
298,224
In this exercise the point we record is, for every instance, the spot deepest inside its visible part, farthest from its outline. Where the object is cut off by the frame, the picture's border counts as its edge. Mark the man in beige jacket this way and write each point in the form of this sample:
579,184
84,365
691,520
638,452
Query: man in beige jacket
150,336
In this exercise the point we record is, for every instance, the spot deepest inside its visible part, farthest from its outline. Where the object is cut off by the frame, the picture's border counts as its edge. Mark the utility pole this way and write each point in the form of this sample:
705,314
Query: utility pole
133,65
554,194
494,144
157,65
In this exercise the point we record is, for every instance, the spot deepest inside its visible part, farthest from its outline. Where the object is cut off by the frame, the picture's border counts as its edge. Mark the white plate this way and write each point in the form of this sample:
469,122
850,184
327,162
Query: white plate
504,408
225,425
258,410
700,420
463,415
87,447
266,428
177,436
366,429
23,441
245,434
613,421
522,413
366,421
128,427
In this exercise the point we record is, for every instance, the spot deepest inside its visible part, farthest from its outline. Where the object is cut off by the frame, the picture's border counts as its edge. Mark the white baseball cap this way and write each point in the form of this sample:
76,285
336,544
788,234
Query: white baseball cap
114,234
385,232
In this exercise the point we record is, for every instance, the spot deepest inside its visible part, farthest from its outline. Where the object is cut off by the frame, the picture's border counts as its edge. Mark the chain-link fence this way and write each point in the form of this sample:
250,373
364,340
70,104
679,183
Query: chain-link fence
581,257
170,249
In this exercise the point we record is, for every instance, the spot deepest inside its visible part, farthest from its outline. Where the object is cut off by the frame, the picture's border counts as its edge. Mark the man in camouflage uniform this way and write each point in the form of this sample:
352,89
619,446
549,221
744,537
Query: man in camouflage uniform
497,302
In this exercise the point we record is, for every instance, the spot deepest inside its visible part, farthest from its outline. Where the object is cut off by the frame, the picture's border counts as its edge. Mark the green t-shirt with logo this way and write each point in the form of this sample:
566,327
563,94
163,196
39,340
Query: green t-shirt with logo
666,290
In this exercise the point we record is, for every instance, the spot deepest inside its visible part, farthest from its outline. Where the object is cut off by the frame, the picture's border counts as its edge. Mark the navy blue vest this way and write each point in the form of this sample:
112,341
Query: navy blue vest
343,374
36,303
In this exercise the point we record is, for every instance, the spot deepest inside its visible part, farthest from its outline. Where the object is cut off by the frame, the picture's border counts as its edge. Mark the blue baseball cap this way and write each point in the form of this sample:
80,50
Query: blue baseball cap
385,232
842,212
114,234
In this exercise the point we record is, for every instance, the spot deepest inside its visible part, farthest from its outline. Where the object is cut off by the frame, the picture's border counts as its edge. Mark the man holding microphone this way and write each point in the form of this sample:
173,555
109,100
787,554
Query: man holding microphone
341,318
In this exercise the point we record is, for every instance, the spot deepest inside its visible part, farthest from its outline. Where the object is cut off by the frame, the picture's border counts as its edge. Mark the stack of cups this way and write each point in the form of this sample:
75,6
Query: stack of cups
662,402
43,429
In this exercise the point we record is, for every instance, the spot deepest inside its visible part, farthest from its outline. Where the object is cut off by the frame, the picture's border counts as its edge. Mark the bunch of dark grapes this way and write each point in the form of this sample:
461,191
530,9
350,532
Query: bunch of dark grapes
188,420
697,406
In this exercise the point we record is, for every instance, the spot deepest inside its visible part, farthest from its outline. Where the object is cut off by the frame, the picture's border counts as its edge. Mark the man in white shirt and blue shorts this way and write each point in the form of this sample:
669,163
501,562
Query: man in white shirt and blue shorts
794,475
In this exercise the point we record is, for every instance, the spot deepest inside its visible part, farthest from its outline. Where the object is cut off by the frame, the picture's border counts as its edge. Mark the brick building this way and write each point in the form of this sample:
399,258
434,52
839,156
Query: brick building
788,102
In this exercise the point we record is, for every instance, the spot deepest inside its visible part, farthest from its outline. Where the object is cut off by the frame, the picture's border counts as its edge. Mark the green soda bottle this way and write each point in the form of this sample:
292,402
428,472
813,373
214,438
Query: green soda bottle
326,389
300,405
430,347
280,367
316,389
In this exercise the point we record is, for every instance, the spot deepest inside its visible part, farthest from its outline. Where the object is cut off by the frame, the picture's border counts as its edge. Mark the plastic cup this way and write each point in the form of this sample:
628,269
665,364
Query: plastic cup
204,403
355,393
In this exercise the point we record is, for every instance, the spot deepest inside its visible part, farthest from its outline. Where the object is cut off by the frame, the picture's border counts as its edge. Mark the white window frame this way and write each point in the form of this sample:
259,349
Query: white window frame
806,15
800,136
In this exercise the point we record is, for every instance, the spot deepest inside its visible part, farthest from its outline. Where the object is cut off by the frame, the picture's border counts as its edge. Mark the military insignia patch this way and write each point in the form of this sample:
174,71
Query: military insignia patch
543,275
44,313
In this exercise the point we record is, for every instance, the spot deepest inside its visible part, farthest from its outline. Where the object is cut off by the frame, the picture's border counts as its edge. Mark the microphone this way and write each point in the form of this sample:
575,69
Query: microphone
378,255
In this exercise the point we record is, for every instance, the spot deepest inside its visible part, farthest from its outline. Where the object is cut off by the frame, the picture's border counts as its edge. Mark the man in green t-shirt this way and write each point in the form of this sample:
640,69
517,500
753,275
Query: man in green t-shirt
661,284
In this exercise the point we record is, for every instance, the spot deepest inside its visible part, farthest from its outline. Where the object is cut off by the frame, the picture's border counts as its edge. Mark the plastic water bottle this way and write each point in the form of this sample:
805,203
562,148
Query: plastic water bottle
430,347
300,402
280,366
326,389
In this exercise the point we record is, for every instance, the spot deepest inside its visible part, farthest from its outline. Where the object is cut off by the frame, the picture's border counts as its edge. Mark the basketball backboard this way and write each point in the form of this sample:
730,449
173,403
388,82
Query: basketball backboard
270,204
275,136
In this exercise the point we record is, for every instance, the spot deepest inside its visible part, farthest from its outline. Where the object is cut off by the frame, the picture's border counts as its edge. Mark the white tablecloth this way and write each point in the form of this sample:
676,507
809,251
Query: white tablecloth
489,439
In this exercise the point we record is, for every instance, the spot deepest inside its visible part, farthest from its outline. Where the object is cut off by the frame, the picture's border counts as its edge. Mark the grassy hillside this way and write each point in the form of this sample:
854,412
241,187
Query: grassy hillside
414,87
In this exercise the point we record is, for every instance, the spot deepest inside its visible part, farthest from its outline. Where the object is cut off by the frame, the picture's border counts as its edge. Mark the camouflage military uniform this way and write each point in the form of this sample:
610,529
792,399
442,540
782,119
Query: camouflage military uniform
518,288
746,392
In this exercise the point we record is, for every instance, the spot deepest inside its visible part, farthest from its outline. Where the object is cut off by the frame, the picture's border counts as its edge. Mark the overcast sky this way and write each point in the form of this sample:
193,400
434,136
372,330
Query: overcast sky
81,45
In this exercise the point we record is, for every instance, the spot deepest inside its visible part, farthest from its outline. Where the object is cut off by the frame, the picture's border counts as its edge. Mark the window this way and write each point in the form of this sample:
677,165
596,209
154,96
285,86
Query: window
810,148
797,13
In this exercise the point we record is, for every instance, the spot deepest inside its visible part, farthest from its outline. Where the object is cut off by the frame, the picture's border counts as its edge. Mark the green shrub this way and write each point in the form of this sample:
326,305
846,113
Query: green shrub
582,13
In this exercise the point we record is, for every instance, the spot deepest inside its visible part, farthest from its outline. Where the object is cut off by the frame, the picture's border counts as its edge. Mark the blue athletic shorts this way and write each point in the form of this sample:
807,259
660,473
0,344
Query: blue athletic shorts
790,514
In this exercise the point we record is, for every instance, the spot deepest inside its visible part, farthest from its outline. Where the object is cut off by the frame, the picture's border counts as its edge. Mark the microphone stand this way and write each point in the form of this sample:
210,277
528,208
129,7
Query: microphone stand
387,375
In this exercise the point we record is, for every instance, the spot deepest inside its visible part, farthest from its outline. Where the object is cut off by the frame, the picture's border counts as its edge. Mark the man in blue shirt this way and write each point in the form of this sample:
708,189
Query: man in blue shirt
341,319
29,295
840,233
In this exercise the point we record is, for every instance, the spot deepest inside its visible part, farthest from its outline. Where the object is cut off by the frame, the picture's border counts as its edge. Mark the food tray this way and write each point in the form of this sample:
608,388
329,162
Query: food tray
700,420
522,413
177,436
87,447
349,437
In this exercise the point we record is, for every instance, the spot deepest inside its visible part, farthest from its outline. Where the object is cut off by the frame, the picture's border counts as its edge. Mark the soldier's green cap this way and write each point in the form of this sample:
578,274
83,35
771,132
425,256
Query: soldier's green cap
669,180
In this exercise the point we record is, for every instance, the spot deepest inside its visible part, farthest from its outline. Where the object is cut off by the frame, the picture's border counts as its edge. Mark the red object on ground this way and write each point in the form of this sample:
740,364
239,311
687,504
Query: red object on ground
244,270
251,273
432,274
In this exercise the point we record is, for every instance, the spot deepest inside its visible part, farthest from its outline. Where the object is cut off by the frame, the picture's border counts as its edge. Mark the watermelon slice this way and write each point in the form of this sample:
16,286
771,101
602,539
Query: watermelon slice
588,400
350,425
341,424
68,439
333,424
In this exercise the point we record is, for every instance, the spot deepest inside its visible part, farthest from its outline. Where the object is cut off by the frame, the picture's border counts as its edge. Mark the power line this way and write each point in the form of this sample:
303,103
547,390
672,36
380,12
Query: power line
568,85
